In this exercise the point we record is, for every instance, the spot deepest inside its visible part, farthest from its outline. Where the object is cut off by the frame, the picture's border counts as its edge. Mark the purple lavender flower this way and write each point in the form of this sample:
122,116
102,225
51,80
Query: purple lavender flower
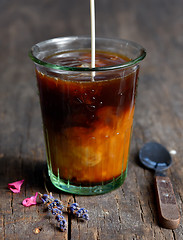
78,212
85,216
47,198
59,217
56,211
63,225
59,204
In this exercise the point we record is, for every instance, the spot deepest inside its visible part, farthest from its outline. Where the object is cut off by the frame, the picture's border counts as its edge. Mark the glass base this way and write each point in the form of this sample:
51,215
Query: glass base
90,190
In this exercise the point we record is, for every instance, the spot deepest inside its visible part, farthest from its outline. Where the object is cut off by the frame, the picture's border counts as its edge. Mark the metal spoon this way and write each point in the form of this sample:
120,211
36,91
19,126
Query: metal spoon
155,156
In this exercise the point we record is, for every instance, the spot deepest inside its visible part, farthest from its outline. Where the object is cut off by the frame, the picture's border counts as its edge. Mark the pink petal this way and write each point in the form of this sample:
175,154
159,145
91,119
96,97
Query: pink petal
15,186
30,201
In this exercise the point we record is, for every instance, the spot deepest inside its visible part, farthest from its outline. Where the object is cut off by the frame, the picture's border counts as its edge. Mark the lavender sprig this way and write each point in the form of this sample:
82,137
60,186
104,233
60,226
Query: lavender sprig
56,207
78,212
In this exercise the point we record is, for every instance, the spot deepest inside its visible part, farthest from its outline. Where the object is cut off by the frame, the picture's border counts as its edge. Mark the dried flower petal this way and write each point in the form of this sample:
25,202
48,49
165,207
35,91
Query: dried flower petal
37,230
30,201
15,186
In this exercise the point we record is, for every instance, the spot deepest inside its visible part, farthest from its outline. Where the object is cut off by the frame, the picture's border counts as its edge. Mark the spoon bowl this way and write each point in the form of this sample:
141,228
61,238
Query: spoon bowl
155,156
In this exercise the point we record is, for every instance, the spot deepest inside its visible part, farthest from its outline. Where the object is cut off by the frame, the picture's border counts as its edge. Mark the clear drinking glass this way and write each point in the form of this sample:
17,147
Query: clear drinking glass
87,112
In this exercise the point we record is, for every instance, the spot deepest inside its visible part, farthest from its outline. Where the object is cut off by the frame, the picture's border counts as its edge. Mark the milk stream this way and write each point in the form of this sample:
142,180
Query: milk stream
92,16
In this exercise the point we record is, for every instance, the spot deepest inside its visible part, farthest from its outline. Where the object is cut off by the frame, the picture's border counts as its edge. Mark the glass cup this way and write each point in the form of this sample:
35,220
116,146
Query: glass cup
87,112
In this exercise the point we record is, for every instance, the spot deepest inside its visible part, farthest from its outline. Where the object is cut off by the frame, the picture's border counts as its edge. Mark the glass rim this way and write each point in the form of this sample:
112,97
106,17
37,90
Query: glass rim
142,54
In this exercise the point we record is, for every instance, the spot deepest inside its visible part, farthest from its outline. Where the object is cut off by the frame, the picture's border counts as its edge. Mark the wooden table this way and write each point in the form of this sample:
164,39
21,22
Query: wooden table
130,211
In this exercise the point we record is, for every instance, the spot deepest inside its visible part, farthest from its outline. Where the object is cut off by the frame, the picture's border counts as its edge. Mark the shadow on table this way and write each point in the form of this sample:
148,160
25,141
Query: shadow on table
145,181
33,171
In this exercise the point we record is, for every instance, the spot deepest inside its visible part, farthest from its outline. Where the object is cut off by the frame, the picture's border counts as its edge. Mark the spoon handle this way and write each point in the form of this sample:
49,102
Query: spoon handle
169,214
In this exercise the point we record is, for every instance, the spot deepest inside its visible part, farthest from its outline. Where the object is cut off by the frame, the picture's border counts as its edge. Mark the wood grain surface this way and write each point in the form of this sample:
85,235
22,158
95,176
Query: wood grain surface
129,212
